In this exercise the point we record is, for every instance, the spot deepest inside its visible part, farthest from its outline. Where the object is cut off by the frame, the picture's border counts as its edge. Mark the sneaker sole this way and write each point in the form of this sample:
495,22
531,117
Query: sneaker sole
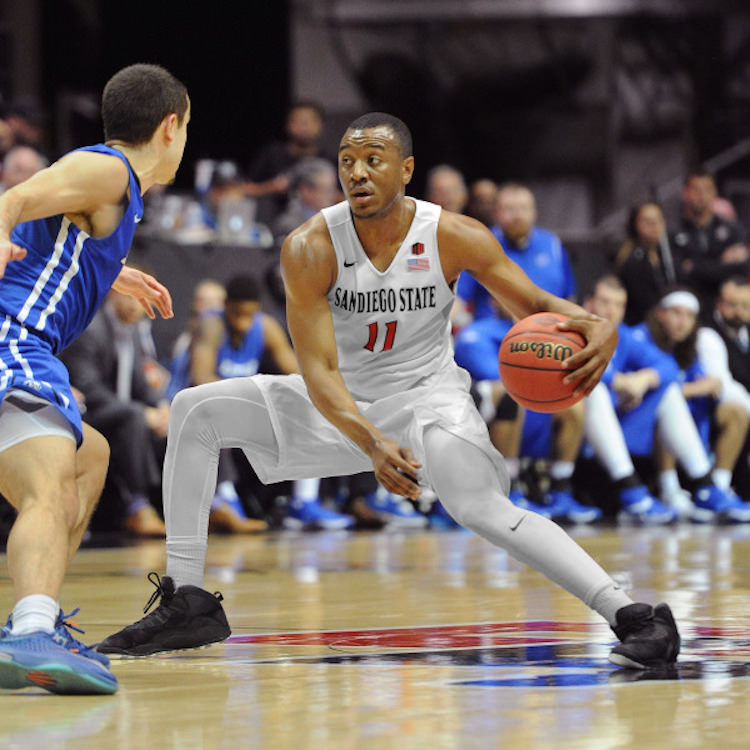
149,650
123,655
55,678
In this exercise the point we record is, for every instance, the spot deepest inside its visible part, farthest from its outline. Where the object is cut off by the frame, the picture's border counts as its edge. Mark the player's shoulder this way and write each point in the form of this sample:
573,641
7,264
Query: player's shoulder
310,239
459,229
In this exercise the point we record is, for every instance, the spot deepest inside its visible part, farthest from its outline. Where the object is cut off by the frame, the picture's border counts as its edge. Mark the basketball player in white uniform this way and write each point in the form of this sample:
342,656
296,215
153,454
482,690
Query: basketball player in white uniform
369,289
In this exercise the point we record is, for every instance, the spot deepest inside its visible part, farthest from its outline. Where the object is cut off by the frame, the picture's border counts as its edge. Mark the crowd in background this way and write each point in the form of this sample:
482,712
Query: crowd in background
663,438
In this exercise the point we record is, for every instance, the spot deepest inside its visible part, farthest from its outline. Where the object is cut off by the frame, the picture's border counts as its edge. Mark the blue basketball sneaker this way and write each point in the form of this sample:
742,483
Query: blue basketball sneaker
63,637
312,514
712,503
39,660
521,501
639,506
395,510
562,506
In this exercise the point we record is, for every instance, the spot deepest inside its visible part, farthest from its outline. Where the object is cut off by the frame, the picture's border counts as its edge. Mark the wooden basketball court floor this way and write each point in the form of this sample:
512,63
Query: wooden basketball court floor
410,640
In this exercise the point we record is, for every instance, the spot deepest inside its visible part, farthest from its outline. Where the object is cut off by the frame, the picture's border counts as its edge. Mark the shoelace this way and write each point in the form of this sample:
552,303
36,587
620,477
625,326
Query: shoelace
153,577
64,625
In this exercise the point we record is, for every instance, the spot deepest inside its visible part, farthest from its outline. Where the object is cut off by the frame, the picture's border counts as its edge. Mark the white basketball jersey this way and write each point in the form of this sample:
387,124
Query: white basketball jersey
392,327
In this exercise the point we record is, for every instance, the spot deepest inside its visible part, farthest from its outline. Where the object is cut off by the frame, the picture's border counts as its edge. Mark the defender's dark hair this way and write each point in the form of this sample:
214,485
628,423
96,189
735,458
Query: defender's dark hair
137,98
243,289
398,128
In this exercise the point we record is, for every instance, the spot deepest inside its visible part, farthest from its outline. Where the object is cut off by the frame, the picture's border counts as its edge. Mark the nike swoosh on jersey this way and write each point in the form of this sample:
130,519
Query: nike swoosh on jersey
137,219
349,264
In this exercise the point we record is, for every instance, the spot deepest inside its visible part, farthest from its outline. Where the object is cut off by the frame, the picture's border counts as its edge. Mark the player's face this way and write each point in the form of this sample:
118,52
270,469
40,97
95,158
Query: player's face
678,322
372,172
515,213
240,314
608,303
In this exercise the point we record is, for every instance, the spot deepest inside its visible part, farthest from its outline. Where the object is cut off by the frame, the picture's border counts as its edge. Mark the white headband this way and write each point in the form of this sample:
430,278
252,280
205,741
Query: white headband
681,299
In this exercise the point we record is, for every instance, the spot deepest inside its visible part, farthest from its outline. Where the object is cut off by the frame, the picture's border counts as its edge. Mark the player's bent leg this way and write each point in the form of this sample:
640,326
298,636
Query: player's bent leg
203,420
476,500
92,460
37,476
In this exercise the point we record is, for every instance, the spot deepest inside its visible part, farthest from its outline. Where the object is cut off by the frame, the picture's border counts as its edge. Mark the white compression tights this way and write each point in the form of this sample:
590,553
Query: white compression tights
202,421
226,414
476,500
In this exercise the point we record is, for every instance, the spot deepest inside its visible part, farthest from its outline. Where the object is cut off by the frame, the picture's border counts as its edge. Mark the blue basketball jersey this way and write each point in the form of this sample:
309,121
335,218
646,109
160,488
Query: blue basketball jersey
49,297
61,283
237,363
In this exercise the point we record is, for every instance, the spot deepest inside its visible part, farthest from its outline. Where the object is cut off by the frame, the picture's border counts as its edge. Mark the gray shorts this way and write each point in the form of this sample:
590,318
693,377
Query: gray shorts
24,416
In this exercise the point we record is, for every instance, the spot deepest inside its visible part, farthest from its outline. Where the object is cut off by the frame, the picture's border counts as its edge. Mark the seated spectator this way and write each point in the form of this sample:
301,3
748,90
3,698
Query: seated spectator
106,365
642,384
724,346
721,418
20,163
644,262
707,248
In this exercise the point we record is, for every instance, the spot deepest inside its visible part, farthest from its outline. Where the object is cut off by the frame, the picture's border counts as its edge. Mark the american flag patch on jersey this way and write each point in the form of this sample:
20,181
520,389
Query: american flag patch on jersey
418,264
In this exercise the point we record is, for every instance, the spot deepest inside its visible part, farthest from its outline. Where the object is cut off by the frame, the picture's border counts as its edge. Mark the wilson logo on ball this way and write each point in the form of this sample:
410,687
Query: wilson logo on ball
542,349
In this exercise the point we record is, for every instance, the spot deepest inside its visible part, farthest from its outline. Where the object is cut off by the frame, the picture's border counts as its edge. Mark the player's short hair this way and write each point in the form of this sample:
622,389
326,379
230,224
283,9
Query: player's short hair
137,98
243,289
397,127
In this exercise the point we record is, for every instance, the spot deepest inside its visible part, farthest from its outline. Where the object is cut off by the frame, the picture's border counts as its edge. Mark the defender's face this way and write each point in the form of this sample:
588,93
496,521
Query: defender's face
372,172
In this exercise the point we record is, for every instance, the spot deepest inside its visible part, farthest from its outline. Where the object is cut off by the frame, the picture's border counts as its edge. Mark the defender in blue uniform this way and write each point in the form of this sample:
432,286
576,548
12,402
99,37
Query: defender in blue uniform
64,239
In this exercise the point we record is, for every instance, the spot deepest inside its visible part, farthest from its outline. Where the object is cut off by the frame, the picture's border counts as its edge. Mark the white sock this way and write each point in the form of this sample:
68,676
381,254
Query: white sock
669,482
306,490
722,478
34,613
561,469
603,431
680,435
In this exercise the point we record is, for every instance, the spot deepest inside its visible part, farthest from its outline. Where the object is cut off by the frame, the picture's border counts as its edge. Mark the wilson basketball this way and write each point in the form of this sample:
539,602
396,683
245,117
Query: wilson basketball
531,357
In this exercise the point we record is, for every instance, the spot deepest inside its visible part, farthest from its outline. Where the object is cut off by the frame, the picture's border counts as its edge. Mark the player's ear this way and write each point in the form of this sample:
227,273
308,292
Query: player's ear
169,126
407,170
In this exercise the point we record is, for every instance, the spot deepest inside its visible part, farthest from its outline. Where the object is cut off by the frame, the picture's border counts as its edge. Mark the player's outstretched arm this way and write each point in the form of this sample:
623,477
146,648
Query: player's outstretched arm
309,267
466,244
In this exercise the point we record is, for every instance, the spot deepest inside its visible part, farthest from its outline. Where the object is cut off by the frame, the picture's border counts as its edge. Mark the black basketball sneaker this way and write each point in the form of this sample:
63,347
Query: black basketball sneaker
187,617
649,637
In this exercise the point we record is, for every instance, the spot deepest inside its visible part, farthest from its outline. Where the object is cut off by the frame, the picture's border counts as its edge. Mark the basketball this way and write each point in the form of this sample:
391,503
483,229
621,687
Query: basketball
530,360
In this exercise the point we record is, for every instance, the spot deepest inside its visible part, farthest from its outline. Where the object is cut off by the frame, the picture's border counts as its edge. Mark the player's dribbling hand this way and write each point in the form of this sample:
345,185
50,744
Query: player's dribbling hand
9,251
396,468
588,365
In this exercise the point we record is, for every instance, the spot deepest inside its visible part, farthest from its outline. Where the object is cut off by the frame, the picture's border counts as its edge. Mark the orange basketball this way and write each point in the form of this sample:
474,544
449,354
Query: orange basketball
531,357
